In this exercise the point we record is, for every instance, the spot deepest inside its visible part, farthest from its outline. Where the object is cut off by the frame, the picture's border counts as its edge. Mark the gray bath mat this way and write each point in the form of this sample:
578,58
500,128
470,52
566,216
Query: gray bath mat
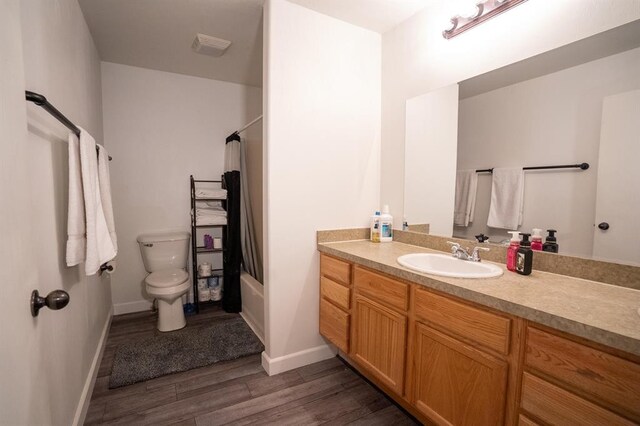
182,350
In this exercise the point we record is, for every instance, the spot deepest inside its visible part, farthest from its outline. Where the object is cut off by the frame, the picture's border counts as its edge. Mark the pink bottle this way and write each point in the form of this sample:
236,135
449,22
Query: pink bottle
536,239
512,251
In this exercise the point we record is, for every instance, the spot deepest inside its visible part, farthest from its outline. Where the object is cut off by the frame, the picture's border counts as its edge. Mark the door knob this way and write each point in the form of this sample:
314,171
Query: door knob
55,300
603,225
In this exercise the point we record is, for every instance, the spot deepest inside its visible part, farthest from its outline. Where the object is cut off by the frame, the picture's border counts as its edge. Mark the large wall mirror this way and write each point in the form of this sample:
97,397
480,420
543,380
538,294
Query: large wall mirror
576,104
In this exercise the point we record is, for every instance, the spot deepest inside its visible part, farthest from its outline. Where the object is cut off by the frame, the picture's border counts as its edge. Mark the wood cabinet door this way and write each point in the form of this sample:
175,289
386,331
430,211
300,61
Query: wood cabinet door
379,338
456,384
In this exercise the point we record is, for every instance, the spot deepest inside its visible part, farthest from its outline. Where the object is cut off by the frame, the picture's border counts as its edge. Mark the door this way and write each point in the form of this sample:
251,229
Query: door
618,193
379,341
19,366
456,384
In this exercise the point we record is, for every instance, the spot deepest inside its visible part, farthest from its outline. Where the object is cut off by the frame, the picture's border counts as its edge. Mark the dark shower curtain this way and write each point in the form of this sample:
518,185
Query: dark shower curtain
232,256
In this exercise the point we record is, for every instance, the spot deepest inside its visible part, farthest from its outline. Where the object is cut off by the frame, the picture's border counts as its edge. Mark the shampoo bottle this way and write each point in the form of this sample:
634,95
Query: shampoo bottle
536,239
524,257
386,225
375,227
550,244
512,251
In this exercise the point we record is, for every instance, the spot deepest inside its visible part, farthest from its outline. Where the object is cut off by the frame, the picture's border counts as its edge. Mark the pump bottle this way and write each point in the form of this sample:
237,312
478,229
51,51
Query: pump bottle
550,244
536,239
386,225
513,250
524,257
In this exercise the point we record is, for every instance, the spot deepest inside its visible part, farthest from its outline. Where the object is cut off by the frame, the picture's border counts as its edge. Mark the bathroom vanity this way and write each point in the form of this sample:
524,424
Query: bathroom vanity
540,349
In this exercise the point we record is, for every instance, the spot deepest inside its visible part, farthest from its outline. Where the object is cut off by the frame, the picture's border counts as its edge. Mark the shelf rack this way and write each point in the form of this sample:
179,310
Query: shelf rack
197,250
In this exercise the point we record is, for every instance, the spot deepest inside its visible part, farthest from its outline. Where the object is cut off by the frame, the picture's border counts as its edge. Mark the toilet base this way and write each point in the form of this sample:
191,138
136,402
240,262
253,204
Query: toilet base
170,315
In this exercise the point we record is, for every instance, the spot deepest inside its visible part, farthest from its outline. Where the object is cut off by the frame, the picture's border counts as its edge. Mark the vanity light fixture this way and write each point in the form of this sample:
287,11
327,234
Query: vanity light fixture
483,11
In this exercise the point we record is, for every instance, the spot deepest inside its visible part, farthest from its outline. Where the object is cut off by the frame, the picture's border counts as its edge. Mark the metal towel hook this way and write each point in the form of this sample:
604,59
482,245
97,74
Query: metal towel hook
55,300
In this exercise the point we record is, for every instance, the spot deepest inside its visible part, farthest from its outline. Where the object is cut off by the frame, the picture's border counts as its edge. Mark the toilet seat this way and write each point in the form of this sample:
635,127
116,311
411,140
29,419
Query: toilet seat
166,278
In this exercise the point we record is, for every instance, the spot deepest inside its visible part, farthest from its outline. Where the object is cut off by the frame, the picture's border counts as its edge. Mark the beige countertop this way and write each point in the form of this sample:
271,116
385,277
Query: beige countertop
603,313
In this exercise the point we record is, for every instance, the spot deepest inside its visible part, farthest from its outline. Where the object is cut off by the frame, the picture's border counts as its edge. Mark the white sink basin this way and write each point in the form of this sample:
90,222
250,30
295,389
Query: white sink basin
448,266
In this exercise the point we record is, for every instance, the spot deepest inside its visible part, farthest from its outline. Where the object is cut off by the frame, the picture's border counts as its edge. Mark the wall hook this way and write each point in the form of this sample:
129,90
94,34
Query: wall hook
55,300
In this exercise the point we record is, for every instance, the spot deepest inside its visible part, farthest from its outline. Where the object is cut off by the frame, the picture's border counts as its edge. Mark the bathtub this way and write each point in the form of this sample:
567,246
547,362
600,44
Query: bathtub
252,304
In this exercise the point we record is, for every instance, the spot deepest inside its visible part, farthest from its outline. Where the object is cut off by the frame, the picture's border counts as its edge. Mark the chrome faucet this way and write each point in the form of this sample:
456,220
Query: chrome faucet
462,253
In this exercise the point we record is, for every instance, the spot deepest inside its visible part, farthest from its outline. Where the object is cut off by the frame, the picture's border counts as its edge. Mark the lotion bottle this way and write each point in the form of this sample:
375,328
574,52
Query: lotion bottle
536,239
386,225
512,251
524,257
375,227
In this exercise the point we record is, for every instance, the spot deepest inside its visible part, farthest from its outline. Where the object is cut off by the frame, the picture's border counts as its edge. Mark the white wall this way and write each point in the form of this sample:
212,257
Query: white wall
46,363
417,59
554,119
160,128
322,97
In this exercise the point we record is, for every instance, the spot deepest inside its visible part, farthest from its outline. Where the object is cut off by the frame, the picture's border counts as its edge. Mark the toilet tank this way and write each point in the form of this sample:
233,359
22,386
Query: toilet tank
166,250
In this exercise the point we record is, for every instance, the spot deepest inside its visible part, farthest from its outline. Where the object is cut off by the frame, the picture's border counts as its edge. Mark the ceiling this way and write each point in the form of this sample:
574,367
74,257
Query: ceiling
376,15
157,34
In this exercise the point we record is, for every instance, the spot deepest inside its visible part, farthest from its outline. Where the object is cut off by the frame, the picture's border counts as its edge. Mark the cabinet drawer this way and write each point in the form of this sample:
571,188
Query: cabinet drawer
334,325
337,293
556,406
609,378
384,290
337,270
475,324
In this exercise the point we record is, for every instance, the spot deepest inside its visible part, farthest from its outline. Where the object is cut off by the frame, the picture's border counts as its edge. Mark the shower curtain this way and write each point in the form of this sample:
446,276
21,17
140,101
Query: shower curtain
232,256
240,241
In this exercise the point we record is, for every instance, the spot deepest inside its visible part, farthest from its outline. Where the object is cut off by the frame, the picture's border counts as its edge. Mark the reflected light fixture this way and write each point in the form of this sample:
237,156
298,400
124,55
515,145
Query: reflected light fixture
483,11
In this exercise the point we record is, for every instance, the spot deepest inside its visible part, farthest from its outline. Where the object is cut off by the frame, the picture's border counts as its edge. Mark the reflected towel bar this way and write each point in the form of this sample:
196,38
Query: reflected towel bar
582,166
42,102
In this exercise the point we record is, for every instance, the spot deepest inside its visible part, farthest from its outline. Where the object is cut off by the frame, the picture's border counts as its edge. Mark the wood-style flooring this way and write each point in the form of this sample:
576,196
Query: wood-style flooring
236,392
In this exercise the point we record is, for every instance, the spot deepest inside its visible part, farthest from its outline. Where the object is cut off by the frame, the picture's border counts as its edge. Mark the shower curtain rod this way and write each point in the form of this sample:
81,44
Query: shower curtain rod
236,134
582,166
42,102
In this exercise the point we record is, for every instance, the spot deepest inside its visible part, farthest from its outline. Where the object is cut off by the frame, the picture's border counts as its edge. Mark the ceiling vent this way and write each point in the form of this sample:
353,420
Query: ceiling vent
208,45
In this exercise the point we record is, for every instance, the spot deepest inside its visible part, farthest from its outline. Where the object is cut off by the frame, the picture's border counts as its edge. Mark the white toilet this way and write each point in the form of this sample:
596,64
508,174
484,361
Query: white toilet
165,257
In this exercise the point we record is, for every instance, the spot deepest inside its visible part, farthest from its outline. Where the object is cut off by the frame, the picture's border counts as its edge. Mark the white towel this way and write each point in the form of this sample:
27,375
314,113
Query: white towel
211,211
507,198
220,194
105,194
76,240
211,220
465,199
207,204
100,248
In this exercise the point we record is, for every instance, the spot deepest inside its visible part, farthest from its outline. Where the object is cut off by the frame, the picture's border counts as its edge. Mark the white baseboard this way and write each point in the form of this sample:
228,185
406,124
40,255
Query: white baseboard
85,397
130,307
253,325
284,363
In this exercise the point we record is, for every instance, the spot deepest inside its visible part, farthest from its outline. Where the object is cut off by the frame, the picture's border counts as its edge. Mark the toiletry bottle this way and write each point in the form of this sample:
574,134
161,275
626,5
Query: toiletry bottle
405,224
386,225
536,239
375,227
512,251
524,257
550,244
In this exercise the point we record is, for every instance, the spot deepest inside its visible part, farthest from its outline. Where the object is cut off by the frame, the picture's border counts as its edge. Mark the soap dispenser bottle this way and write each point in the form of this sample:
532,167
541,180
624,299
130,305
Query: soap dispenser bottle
550,244
524,257
536,239
512,251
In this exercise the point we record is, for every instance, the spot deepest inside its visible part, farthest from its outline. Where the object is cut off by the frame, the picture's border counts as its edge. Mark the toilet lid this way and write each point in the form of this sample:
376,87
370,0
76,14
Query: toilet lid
167,278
